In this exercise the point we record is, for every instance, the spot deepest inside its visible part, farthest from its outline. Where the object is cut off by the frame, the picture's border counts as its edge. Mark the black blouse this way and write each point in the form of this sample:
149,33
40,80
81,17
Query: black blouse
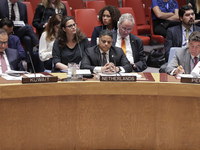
67,55
43,14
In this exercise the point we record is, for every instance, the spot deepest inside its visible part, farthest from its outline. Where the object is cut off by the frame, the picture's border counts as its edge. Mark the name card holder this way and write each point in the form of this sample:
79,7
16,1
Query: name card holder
190,80
39,79
118,78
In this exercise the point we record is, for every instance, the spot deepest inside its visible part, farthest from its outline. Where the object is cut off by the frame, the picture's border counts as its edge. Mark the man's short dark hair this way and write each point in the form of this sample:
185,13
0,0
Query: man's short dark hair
195,36
106,32
7,22
182,10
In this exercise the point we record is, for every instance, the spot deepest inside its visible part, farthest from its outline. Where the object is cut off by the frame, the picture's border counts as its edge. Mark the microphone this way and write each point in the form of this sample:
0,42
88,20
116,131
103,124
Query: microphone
41,79
31,63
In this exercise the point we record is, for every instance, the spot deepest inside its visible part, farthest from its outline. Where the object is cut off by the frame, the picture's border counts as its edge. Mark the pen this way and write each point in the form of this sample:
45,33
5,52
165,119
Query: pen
179,67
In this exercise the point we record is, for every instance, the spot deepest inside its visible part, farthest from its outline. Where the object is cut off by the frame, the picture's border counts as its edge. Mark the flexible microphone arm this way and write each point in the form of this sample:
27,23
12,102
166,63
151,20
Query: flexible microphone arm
31,63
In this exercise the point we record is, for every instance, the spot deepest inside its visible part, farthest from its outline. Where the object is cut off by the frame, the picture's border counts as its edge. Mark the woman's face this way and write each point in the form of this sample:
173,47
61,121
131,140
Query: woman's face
107,20
56,27
70,27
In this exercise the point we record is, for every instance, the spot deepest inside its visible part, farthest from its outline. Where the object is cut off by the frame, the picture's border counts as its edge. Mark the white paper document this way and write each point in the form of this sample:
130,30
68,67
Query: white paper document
83,71
19,23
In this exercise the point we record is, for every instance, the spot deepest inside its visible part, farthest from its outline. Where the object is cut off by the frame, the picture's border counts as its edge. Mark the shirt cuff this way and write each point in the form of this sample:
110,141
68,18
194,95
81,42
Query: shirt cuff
97,70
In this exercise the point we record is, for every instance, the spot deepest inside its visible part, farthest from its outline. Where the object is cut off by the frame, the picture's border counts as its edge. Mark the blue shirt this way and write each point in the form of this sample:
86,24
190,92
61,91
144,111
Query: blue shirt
166,7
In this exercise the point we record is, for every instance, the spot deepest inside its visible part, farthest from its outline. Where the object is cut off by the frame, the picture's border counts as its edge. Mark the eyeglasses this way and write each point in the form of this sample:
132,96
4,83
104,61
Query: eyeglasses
124,29
72,25
5,43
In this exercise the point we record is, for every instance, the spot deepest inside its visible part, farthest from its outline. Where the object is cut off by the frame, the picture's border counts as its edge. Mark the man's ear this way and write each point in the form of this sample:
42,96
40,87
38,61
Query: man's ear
181,19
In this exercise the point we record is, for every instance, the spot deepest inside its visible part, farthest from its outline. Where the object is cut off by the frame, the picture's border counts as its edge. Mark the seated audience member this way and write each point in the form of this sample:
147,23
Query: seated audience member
69,45
164,15
196,7
131,44
17,11
177,36
9,58
47,39
108,16
44,11
104,57
186,58
13,40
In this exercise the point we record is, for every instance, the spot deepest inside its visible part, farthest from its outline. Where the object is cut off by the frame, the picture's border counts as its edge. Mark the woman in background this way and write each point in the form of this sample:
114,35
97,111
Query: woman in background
108,16
47,39
164,15
44,11
69,46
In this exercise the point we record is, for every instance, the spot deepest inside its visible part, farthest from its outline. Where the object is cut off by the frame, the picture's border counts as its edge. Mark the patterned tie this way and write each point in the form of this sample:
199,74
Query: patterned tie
187,33
195,61
12,12
123,45
3,63
104,59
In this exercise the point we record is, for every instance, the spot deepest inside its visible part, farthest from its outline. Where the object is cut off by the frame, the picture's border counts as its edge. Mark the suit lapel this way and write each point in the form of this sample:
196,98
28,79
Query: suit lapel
97,55
6,8
187,62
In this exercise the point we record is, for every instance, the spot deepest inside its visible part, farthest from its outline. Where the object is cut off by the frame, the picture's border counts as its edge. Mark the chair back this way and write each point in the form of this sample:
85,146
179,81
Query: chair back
34,3
30,14
75,4
157,38
137,6
69,13
172,52
97,5
86,20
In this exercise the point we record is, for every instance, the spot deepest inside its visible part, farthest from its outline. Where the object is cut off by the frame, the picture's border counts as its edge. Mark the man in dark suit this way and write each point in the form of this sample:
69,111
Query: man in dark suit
10,56
17,11
131,44
105,57
176,36
186,58
13,40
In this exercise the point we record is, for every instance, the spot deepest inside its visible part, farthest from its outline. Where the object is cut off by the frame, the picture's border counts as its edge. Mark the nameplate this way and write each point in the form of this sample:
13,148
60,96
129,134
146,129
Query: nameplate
118,78
190,80
40,79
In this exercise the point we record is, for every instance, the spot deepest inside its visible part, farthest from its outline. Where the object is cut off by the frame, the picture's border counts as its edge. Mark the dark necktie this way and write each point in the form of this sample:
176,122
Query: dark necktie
195,61
3,63
12,12
104,59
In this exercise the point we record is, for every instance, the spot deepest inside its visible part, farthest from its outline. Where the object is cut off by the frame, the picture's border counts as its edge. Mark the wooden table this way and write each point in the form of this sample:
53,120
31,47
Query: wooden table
100,115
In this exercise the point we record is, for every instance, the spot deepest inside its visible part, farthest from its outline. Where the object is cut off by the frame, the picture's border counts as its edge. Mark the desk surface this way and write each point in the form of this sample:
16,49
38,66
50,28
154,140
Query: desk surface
100,115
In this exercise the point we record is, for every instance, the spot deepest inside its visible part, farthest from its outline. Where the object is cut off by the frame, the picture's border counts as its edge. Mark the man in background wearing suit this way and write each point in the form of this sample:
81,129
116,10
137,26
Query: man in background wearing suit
13,40
17,11
185,60
9,58
104,57
131,44
177,36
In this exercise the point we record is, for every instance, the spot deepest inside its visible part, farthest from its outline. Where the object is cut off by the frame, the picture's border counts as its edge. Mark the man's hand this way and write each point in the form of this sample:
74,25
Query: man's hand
109,68
179,70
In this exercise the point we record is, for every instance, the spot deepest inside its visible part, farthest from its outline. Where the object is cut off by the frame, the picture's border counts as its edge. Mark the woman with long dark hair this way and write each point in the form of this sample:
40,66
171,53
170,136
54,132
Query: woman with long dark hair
47,39
69,46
